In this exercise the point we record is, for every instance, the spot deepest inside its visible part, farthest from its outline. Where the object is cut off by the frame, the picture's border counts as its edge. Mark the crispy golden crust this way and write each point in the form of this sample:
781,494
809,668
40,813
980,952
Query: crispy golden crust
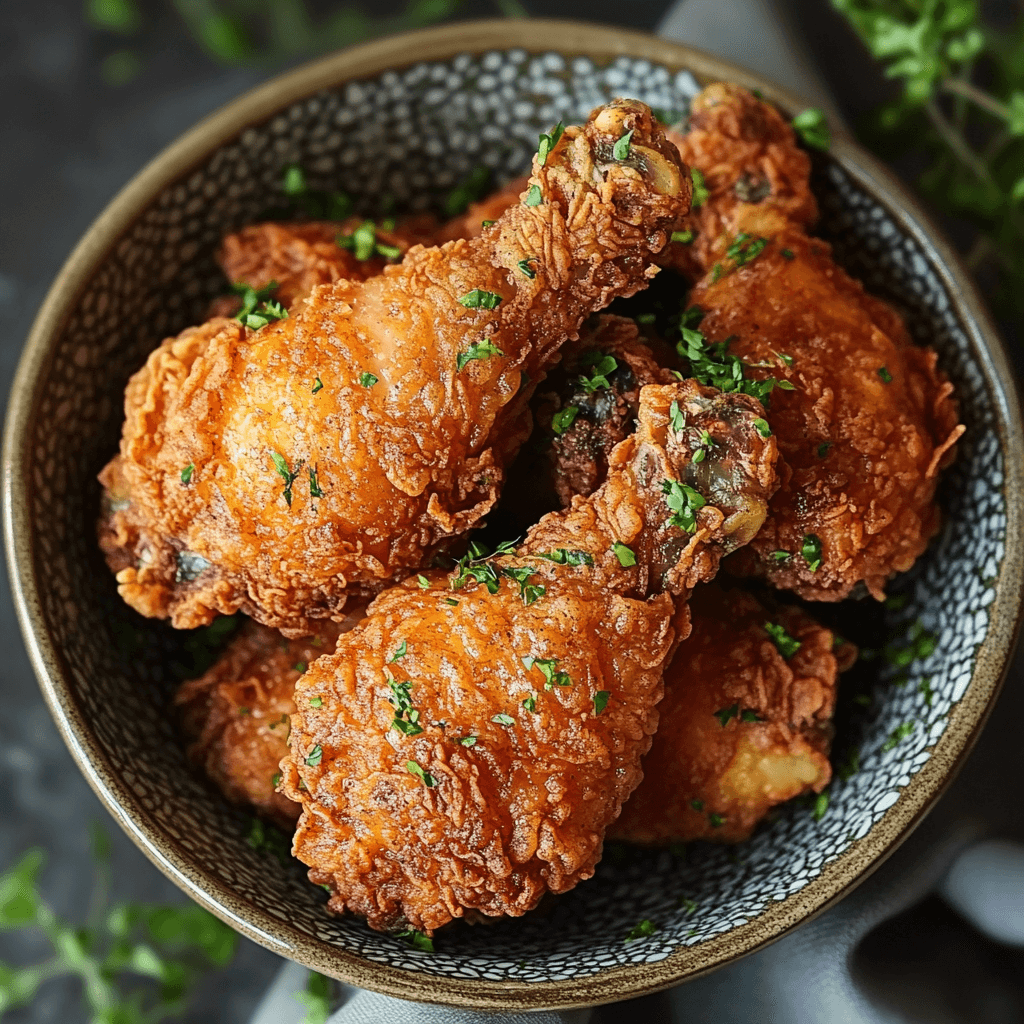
405,464
862,451
521,808
756,175
238,714
706,780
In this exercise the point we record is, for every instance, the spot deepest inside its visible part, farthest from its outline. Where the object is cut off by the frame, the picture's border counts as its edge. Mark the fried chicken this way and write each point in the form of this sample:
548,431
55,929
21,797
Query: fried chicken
238,713
745,724
470,741
282,471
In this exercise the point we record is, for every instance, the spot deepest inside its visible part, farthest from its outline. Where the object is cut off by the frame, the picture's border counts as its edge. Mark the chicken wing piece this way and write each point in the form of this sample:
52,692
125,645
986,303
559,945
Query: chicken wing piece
297,257
238,714
745,724
469,742
282,471
864,431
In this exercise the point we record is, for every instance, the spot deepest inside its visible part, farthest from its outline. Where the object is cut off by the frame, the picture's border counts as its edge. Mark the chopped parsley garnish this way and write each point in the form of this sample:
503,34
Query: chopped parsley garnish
287,475
474,566
367,379
317,385
601,365
316,702
745,248
697,805
487,223
186,473
565,556
547,666
684,237
524,266
620,151
648,318
315,756
762,427
786,645
467,741
601,701
901,732
275,779
700,190
750,716
251,298
521,574
417,939
300,667
479,299
683,502
781,556
885,375
533,196
812,128
316,204
474,187
267,312
624,554
562,420
726,715
716,820
811,550
676,417
641,930
716,273
314,484
820,806
530,703
426,778
451,601
407,718
787,254
921,644
294,181
503,719
823,449
423,581
401,651
477,350
389,252
364,245
547,142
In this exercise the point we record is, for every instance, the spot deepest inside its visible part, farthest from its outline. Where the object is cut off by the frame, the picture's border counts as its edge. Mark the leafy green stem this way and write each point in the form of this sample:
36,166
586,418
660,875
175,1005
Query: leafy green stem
956,142
969,91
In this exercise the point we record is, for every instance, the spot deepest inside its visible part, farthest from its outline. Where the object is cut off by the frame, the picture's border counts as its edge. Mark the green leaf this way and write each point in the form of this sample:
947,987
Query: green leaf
812,128
19,899
624,554
533,196
1015,122
477,350
701,194
224,38
120,16
317,999
426,778
620,151
563,419
601,701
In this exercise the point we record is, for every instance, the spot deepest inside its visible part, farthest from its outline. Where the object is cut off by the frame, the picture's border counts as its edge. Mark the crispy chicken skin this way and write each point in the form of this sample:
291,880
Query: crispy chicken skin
238,714
406,460
864,432
713,771
428,787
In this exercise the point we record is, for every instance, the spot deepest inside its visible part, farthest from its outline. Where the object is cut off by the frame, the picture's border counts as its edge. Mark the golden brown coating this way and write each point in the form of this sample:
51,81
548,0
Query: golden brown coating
300,256
471,223
422,405
741,728
755,173
238,715
470,741
863,433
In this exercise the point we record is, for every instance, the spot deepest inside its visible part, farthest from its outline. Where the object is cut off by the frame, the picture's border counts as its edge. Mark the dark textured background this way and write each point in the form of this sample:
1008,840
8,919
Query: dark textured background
68,142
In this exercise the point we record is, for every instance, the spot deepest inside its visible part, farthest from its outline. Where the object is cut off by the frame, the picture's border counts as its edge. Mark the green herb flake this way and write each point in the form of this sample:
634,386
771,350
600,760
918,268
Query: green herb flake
275,779
503,719
884,375
563,419
725,715
676,417
901,732
750,717
416,939
565,556
401,651
624,554
467,741
641,931
406,718
716,820
620,151
531,703
810,548
315,756
451,600
487,223
416,771
477,350
287,475
533,196
547,142
549,669
300,667
683,237
697,805
812,128
316,702
701,194
318,385
479,299
787,254
525,268
472,188
761,425
684,503
781,556
823,449
602,366
820,806
786,645
186,473
601,701
314,484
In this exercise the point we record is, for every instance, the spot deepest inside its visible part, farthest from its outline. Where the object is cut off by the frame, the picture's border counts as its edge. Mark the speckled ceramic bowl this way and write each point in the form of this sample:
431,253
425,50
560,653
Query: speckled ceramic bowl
409,117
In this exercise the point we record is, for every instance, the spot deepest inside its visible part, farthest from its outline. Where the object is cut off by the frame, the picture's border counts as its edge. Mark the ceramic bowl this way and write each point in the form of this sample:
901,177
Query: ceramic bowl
408,118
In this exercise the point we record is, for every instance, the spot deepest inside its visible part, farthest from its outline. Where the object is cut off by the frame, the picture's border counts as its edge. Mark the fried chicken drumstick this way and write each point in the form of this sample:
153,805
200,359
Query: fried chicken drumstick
745,724
870,420
282,471
469,742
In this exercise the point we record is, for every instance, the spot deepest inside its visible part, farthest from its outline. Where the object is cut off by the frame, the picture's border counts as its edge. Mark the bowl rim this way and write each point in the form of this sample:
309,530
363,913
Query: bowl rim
840,875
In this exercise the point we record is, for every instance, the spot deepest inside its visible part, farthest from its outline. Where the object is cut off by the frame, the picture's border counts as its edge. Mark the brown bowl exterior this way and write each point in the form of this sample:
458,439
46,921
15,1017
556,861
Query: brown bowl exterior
38,590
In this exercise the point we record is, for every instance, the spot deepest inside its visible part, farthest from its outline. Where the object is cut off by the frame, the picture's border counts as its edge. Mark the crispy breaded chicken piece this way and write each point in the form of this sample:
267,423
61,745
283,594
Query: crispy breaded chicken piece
338,449
469,742
745,724
299,256
864,432
238,714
